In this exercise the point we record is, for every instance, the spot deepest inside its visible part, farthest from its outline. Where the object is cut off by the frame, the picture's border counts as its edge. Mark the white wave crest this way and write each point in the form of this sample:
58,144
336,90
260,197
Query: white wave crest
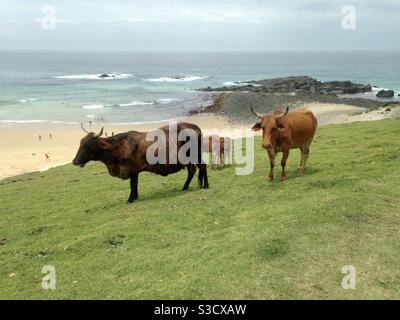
240,84
93,106
135,103
167,100
27,100
378,89
101,76
148,103
177,79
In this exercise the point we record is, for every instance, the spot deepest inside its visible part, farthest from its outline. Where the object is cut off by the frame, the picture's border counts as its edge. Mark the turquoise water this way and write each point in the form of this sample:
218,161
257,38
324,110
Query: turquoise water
66,87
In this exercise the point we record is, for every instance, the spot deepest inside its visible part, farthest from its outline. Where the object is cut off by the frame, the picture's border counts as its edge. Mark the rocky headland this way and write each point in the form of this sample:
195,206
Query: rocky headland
274,94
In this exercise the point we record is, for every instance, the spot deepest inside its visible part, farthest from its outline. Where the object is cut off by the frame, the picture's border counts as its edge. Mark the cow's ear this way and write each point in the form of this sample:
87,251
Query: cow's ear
257,127
104,145
279,122
281,119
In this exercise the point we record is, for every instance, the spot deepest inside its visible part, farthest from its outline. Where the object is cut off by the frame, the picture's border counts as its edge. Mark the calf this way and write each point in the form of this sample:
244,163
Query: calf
219,148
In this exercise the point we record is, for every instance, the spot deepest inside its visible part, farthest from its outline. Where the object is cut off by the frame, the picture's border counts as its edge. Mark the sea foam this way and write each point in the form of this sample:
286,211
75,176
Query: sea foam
177,79
93,106
111,76
167,100
27,100
135,103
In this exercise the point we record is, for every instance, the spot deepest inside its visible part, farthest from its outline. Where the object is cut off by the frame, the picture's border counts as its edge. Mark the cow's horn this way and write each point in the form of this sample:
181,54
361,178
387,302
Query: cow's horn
101,132
84,130
255,113
287,111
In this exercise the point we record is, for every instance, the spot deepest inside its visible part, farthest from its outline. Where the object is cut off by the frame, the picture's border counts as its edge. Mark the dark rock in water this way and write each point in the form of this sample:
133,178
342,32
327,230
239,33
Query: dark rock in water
385,94
298,85
104,75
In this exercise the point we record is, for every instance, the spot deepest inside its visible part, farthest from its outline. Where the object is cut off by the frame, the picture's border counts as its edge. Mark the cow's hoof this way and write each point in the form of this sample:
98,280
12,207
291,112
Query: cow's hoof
283,179
130,200
270,179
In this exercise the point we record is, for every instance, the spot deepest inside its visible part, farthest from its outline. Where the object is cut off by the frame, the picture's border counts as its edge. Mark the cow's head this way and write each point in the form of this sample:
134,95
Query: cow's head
271,126
90,148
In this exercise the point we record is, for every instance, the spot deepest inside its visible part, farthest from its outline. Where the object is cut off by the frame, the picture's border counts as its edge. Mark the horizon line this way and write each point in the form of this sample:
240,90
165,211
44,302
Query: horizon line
201,51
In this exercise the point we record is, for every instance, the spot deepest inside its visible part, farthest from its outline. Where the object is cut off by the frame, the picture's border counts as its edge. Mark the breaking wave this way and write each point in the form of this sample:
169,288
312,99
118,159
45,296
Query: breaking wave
101,76
177,79
135,103
93,106
148,103
27,100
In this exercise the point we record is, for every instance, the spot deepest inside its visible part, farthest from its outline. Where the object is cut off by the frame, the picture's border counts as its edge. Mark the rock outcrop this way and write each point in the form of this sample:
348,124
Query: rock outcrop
302,84
234,101
385,94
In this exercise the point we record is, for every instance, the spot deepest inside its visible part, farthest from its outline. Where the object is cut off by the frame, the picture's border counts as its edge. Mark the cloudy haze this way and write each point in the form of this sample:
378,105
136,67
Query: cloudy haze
189,25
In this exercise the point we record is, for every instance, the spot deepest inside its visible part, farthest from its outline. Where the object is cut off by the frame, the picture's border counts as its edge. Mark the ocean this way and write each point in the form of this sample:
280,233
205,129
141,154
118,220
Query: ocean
68,87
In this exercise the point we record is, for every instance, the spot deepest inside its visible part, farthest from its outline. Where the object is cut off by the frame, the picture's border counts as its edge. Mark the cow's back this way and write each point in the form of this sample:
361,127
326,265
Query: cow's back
300,126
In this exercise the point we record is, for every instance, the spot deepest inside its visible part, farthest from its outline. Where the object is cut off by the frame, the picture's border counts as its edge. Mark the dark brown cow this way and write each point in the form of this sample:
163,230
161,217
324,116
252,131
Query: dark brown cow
219,148
125,155
285,131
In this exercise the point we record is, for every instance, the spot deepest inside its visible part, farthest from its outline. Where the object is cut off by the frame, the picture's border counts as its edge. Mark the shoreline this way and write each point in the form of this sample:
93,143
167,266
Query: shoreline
22,152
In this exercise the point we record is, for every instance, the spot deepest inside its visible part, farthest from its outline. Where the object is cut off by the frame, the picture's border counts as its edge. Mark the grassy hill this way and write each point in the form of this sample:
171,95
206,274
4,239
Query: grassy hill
243,238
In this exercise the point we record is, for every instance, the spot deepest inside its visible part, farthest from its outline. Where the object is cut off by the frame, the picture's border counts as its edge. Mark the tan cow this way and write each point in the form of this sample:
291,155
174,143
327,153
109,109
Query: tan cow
285,131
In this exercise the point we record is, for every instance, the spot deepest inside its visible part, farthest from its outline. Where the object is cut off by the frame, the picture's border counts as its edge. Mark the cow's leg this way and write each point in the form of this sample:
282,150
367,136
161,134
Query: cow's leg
283,163
304,155
301,160
134,192
203,178
191,171
272,157
213,160
205,185
218,160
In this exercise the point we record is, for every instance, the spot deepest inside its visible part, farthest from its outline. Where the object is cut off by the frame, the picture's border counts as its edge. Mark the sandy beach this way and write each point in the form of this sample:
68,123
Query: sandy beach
22,150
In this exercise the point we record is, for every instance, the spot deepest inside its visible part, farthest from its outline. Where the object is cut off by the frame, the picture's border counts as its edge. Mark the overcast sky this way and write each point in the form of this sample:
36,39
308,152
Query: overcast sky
196,25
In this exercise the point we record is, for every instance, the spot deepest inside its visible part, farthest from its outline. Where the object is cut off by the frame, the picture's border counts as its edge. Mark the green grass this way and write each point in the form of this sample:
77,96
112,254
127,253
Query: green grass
244,238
